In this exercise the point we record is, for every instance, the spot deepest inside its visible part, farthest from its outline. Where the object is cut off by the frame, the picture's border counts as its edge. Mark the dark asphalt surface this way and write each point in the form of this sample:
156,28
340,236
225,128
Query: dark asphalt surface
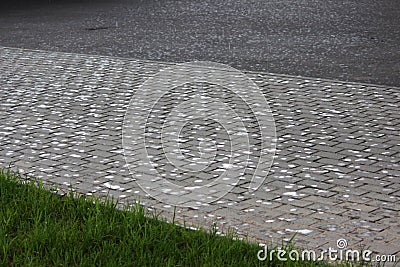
347,40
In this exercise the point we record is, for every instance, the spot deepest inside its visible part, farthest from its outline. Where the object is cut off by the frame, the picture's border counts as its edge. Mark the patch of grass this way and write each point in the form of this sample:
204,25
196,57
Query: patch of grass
39,228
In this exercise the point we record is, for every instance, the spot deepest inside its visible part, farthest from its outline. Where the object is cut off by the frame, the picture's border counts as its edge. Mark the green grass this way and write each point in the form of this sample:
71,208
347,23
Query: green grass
39,228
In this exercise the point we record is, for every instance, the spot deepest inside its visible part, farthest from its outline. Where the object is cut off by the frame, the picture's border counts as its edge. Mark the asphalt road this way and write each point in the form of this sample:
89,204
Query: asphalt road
347,40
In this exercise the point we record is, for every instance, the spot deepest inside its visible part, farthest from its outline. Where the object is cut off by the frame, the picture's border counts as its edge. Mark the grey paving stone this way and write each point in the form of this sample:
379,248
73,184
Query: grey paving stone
336,164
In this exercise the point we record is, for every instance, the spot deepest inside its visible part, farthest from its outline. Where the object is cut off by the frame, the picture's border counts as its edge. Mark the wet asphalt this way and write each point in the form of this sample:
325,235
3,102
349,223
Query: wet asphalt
346,40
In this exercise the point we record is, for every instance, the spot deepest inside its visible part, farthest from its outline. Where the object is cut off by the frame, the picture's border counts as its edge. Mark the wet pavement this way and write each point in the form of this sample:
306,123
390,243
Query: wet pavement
347,40
335,173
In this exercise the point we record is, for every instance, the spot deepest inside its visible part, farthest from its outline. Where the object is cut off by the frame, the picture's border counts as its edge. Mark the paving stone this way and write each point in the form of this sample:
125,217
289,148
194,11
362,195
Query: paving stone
335,170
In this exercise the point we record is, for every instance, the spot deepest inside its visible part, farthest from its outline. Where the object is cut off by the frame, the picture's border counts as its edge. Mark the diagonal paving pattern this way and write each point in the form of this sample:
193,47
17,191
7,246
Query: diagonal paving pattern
336,171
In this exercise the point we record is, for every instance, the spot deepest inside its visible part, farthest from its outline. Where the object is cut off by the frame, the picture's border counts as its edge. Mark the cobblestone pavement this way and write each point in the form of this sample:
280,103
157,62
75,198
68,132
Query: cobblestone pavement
335,174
